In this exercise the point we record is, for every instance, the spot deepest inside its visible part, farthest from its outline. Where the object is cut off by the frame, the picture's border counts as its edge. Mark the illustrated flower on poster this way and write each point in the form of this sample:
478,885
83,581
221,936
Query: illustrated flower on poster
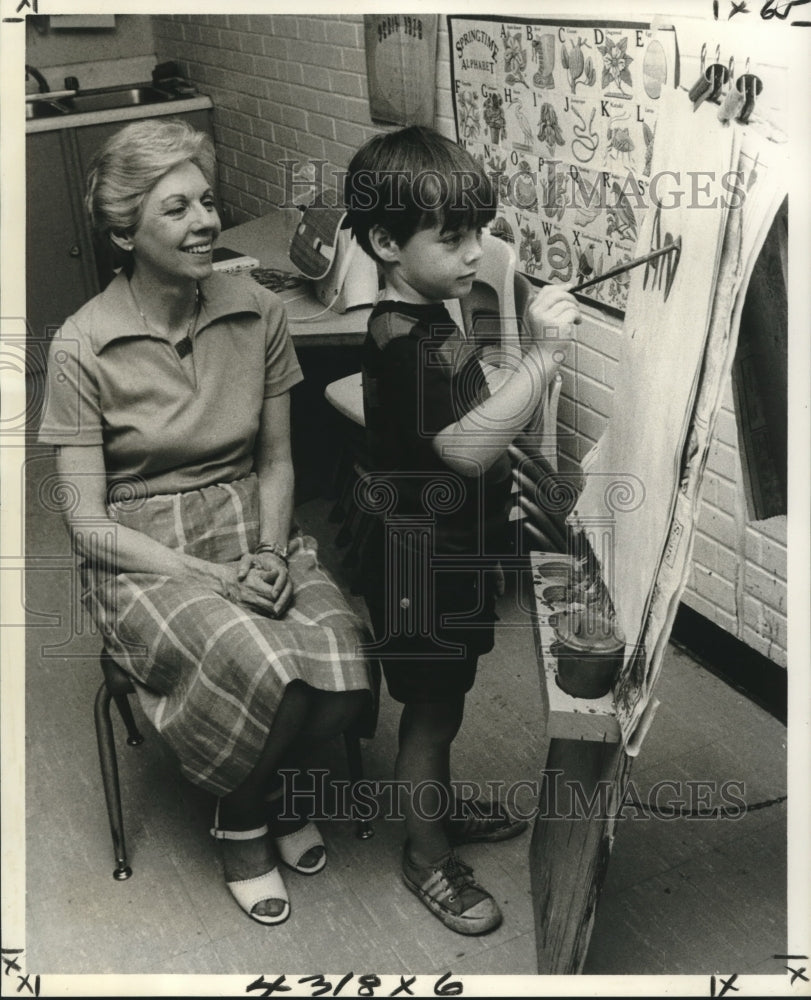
496,170
555,190
530,252
494,116
469,122
515,60
577,66
549,131
615,64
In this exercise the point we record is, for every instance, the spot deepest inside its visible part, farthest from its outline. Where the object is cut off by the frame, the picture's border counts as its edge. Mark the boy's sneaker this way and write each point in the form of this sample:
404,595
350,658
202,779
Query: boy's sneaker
450,892
482,820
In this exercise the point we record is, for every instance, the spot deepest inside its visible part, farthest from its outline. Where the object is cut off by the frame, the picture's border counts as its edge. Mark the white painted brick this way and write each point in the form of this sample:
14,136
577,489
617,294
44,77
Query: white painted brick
348,35
321,125
260,25
266,67
588,422
773,558
704,550
285,25
761,643
753,544
313,29
711,611
727,495
774,528
248,105
351,84
210,36
728,563
766,588
304,98
353,60
724,461
588,361
337,153
310,146
718,524
263,130
253,145
593,394
232,39
352,135
718,592
276,47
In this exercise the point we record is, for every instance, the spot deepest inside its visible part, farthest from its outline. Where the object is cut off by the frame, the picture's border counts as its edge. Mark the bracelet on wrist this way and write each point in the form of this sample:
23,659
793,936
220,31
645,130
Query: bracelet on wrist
274,549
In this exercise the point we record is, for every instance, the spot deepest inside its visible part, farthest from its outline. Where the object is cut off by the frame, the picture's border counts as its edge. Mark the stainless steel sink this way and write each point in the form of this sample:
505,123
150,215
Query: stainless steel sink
95,100
122,97
45,109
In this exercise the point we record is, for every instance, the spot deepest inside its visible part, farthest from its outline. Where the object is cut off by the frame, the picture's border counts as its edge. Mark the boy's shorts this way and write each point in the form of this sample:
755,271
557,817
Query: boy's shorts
417,668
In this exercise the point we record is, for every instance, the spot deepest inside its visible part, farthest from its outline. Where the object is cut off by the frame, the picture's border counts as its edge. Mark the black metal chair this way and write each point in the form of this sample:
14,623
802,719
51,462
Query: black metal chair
117,686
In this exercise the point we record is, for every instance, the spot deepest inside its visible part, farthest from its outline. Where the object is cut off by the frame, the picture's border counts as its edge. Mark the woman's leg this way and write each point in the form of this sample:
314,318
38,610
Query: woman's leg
304,714
244,808
295,794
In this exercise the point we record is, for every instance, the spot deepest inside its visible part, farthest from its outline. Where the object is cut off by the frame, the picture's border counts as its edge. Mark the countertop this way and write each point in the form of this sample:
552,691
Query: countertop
138,111
311,324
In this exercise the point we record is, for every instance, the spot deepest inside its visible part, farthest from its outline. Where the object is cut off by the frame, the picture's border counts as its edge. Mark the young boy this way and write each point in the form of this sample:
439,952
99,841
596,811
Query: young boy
417,203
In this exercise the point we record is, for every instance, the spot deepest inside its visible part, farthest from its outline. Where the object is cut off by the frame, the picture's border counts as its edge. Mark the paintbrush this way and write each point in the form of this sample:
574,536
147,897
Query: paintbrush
629,264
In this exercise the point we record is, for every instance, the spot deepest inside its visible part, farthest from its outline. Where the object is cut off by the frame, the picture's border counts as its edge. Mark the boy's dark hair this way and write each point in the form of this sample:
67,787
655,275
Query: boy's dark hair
412,179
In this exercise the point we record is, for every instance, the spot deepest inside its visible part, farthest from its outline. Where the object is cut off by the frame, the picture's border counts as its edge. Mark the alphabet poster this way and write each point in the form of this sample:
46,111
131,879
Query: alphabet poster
563,115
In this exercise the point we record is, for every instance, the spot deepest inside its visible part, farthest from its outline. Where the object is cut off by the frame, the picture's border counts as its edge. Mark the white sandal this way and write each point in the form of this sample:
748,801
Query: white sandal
250,891
293,846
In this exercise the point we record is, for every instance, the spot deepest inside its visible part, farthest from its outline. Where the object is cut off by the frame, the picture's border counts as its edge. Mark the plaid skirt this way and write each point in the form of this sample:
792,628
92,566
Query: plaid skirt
209,673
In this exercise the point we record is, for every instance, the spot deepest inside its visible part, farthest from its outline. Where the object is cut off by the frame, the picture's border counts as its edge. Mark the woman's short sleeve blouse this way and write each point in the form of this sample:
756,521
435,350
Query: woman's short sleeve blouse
167,426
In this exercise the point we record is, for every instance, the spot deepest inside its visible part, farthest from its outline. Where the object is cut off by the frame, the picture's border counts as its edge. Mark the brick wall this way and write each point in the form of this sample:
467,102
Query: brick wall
289,87
284,88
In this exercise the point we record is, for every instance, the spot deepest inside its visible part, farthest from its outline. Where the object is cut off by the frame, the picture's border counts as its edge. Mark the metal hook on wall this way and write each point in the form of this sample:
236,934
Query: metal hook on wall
750,86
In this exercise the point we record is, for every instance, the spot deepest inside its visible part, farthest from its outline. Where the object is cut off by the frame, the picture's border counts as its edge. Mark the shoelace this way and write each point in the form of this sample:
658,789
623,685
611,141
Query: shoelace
456,873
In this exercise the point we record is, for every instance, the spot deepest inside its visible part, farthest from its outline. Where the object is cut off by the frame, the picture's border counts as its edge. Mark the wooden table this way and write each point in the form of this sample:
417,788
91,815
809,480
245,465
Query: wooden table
268,240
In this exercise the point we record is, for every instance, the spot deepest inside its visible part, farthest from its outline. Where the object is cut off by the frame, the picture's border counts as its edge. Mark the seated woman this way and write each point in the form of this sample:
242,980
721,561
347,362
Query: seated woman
169,403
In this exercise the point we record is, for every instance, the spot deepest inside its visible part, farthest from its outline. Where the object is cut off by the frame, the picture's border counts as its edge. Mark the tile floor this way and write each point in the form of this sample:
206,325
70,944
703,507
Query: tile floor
682,897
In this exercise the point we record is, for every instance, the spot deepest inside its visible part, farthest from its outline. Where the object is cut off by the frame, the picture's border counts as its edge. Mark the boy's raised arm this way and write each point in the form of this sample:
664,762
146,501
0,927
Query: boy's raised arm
471,444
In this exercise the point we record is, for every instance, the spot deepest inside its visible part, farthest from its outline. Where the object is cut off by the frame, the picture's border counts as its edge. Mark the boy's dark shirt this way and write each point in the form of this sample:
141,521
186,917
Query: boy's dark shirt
419,376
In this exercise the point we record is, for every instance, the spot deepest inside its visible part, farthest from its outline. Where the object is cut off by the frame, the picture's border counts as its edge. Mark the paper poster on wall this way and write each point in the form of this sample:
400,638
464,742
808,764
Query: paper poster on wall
564,115
401,67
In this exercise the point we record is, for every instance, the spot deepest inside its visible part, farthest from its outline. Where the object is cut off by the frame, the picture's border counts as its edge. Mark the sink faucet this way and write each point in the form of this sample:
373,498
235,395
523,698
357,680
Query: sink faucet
43,83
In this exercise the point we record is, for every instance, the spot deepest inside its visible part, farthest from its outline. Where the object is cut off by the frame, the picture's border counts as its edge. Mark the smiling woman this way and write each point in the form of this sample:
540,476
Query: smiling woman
168,401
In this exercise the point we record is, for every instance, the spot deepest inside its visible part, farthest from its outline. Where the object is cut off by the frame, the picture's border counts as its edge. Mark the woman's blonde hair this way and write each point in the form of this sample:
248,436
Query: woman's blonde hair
132,162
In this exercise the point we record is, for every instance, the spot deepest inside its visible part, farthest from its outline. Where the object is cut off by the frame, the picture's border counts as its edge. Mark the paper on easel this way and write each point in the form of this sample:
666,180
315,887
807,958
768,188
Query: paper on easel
677,355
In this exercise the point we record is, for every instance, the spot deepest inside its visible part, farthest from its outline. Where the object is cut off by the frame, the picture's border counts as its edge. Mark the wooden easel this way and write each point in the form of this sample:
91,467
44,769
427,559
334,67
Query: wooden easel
569,852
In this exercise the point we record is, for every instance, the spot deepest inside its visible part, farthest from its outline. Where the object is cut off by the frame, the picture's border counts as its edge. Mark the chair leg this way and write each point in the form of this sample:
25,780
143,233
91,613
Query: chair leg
364,828
134,737
109,775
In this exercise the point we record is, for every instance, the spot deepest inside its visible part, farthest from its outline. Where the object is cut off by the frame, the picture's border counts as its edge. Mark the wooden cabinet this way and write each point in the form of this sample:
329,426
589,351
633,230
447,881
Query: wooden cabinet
60,267
64,265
